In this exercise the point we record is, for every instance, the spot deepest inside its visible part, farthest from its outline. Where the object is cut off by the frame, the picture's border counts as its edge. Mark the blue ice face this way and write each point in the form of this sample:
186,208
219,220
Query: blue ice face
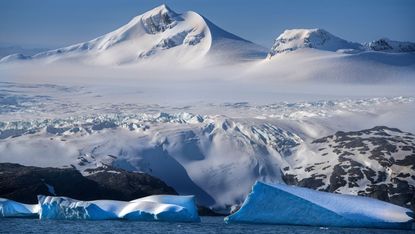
152,208
282,204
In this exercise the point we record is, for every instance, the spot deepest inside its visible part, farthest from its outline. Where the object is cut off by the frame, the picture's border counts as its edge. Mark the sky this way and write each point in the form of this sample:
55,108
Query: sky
56,23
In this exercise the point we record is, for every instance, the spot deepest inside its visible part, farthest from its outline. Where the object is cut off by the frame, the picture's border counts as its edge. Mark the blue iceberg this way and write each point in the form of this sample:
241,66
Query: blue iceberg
152,208
10,208
283,204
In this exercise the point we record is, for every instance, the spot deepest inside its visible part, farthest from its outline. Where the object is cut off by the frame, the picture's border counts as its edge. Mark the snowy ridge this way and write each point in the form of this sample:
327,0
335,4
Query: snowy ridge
294,39
320,39
387,45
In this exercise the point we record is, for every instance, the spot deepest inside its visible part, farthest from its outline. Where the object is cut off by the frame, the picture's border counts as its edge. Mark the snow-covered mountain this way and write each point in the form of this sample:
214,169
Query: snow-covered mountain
159,33
387,45
320,39
326,57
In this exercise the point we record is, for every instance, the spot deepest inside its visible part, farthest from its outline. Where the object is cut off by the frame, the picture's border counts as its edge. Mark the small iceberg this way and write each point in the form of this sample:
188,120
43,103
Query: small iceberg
152,208
283,204
10,209
168,208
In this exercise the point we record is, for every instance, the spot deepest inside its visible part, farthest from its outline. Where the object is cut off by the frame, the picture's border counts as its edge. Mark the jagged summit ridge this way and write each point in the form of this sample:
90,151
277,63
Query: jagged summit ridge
387,45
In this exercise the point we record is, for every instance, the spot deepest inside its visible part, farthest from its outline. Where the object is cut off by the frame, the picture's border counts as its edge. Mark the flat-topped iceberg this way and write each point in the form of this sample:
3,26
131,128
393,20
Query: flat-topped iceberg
151,208
282,204
10,208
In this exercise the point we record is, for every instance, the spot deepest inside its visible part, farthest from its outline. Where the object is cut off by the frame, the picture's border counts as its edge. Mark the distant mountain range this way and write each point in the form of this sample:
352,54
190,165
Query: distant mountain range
164,35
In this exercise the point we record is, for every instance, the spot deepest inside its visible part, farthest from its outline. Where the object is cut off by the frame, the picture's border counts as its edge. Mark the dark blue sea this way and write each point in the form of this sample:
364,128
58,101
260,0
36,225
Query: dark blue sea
208,225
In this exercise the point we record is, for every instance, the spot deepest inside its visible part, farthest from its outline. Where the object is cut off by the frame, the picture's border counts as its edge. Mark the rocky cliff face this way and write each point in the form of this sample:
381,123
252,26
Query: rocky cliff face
23,183
377,162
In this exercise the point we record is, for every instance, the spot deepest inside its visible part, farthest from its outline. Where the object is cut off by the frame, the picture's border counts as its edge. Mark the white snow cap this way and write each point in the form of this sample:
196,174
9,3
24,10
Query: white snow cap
317,38
158,35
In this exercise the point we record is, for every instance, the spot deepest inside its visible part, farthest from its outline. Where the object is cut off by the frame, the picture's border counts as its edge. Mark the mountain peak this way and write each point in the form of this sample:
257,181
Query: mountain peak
159,10
387,45
317,38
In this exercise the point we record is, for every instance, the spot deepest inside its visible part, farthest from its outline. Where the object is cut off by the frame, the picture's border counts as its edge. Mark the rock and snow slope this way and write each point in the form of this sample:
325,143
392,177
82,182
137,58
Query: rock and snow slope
282,204
377,162
159,33
387,45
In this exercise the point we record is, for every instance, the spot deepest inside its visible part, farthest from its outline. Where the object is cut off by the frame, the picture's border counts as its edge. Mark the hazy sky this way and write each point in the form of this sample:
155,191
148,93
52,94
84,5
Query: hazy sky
54,23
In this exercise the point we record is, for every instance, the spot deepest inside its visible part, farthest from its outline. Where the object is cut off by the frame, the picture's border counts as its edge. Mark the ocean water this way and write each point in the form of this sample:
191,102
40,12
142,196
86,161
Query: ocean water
208,225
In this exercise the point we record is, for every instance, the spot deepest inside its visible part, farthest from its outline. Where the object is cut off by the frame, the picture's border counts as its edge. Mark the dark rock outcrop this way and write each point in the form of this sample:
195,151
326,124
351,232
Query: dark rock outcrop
24,183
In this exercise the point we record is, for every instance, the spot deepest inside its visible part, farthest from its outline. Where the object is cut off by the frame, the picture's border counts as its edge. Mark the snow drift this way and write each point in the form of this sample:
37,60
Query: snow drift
282,204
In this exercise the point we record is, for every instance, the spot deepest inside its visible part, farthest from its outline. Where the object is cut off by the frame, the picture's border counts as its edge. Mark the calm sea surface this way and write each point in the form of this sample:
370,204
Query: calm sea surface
208,225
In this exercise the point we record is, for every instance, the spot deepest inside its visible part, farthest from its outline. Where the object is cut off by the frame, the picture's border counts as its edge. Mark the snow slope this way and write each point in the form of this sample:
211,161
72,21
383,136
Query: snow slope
282,204
159,33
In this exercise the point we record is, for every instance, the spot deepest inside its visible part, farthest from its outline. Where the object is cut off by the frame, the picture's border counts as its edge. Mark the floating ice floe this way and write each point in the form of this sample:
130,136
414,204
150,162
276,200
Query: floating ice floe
282,204
9,208
152,208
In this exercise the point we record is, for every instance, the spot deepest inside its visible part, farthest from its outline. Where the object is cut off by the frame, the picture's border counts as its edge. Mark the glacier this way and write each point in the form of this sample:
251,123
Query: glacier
152,208
282,204
10,208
